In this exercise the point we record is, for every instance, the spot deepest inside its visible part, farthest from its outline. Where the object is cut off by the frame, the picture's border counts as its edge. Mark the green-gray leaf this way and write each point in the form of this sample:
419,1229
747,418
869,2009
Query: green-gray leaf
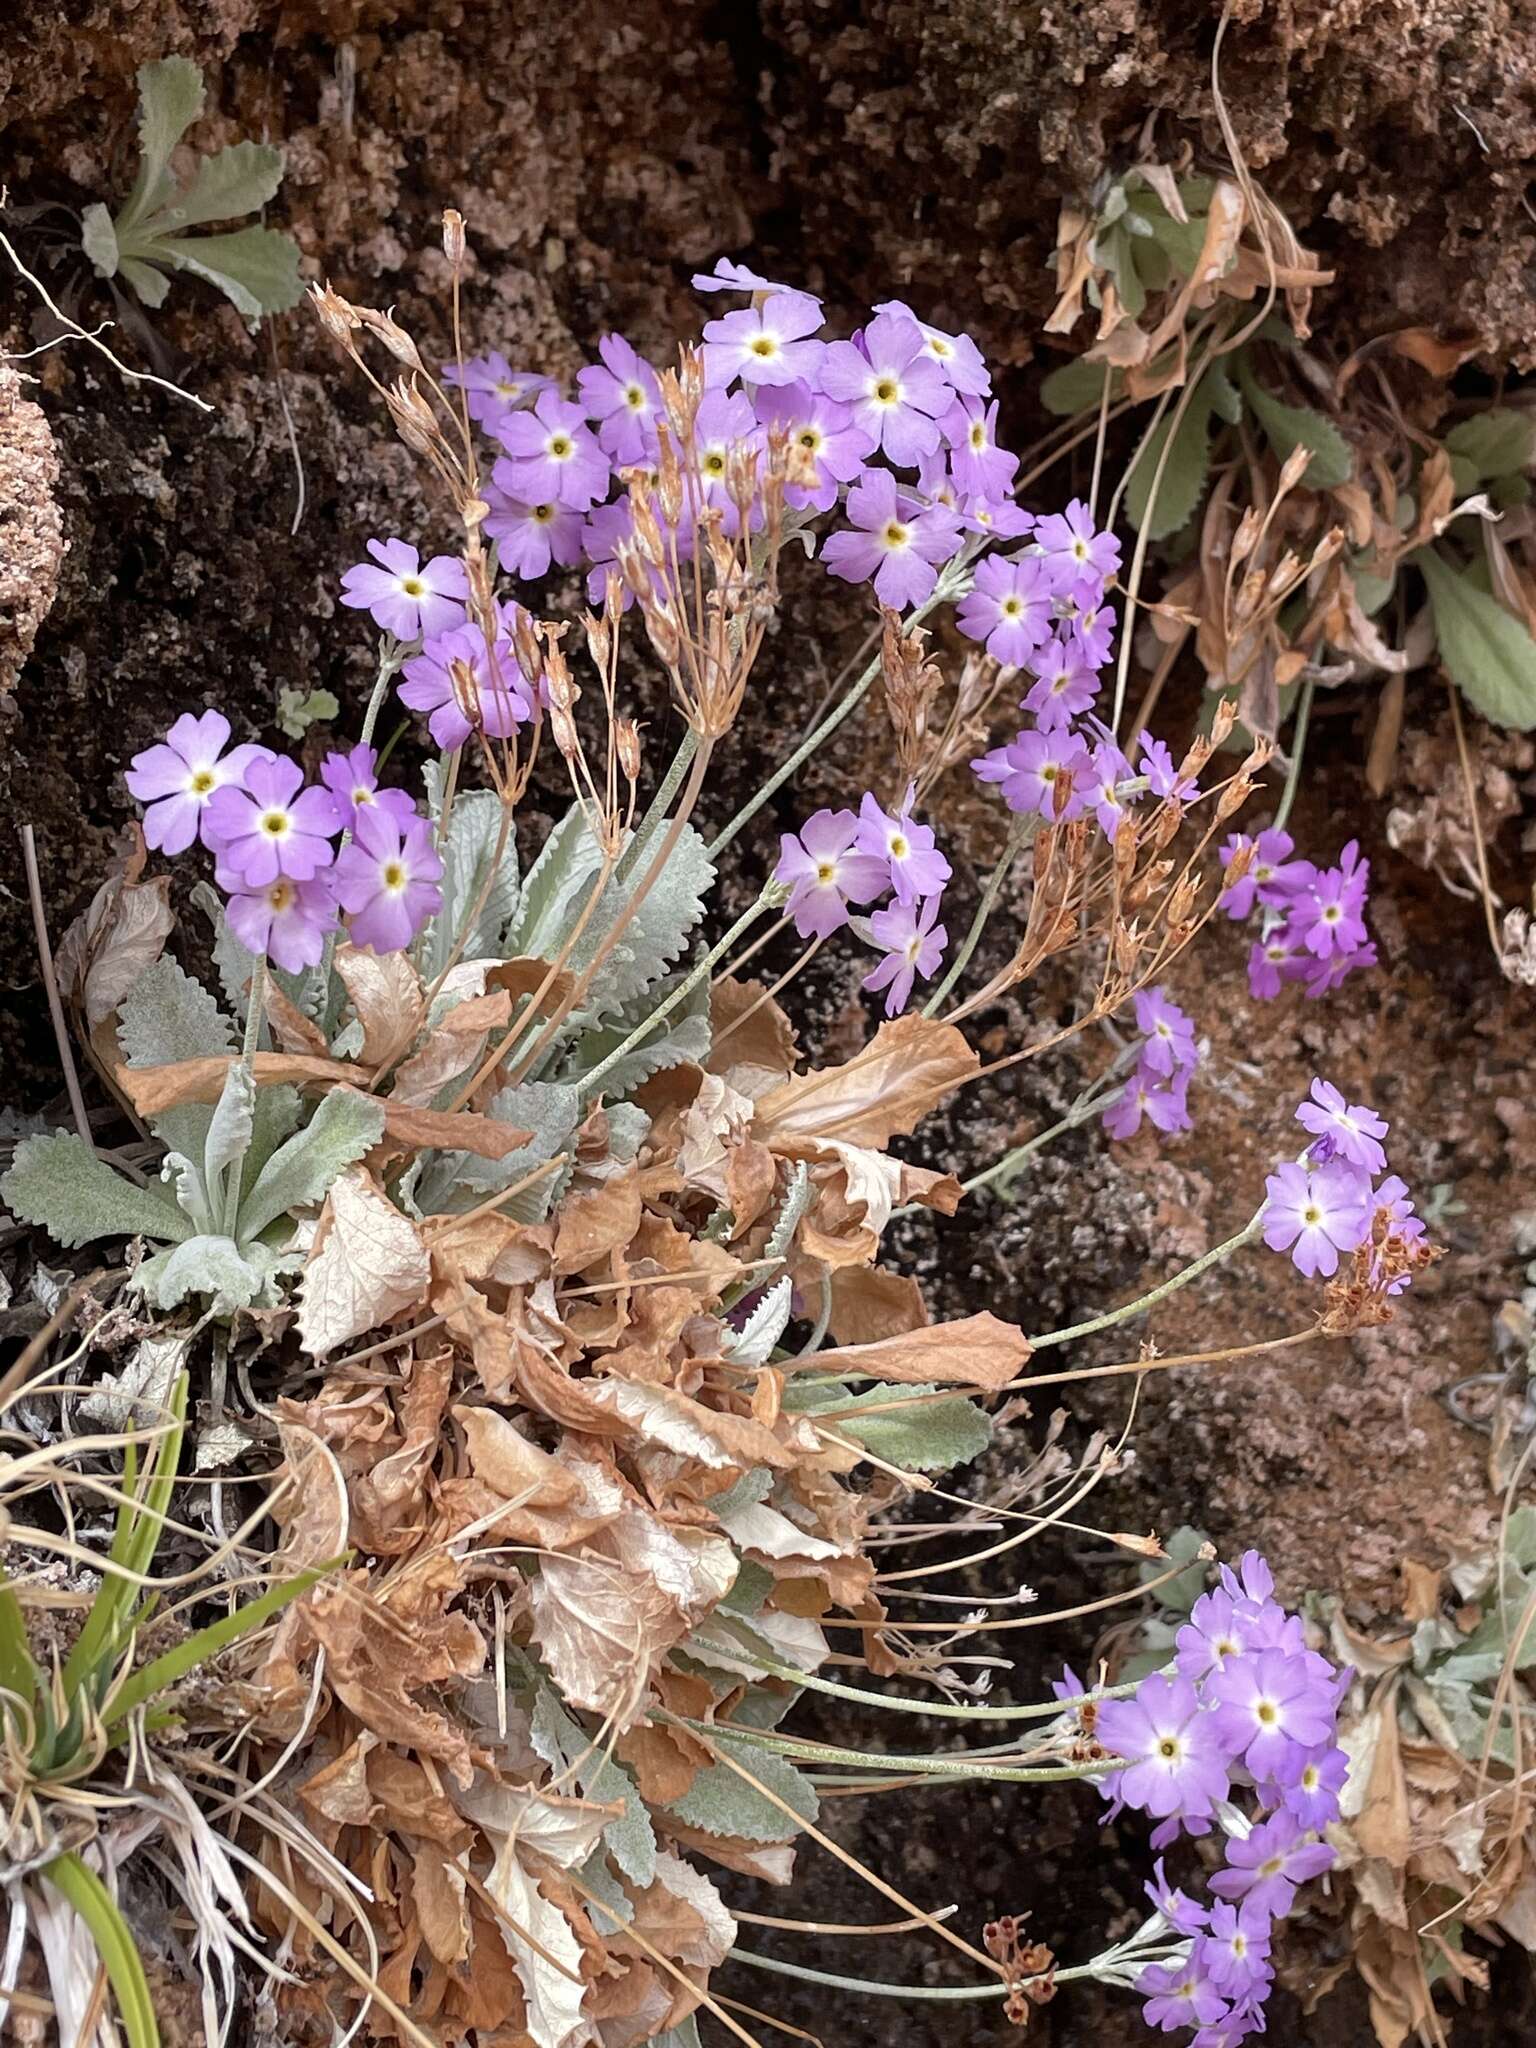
1487,651
1182,483
168,1016
1077,387
474,830
238,180
58,1182
256,269
1288,427
928,1436
300,1172
631,1839
1499,442
99,239
170,100
214,1267
550,1111
721,1803
684,1035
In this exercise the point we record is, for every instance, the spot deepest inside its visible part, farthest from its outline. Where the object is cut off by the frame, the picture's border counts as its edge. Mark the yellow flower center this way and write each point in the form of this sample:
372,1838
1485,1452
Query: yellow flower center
1012,606
978,435
809,438
634,398
275,824
413,586
202,782
825,871
560,446
764,345
896,535
280,896
543,514
887,390
899,846
714,463
1168,1748
393,875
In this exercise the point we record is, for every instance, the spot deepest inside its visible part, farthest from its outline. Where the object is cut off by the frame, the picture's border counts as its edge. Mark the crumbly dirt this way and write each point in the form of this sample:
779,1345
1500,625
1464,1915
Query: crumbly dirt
886,146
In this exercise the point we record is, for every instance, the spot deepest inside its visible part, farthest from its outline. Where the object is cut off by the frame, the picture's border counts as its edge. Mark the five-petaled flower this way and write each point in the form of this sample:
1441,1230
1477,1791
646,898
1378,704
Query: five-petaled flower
405,596
178,778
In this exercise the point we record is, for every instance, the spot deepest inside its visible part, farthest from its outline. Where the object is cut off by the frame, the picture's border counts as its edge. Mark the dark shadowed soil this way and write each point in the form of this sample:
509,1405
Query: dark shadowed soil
600,153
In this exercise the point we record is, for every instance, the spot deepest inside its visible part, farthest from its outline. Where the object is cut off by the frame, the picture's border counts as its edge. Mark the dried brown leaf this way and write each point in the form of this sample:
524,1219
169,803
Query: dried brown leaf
120,934
386,996
977,1351
153,1089
869,1304
506,1461
906,1070
366,1264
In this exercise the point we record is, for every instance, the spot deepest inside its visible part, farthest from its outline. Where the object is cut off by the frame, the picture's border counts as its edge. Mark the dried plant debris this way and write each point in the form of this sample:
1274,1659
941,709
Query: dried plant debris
1317,529
511,1246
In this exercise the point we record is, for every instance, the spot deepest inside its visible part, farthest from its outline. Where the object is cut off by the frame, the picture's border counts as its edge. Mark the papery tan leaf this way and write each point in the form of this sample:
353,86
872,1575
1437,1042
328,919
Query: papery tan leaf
121,933
484,1999
751,1175
977,1351
378,1655
695,1568
449,1131
1383,1828
770,1862
491,1247
526,976
339,1790
293,1031
452,1045
871,1303
665,1761
439,1892
748,1029
908,1068
544,1949
386,996
366,1264
599,1628
676,1422
562,1828
590,1226
153,1089
709,1949
1423,346
508,1462
717,1120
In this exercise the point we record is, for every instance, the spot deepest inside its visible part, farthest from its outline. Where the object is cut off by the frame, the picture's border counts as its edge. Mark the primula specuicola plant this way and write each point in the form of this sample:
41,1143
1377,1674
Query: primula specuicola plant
501,1109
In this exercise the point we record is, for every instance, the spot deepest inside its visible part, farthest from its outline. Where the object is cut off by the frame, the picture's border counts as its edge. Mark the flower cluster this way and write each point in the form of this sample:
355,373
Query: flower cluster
897,424
1247,1713
838,859
275,843
1168,1056
1328,1202
1313,928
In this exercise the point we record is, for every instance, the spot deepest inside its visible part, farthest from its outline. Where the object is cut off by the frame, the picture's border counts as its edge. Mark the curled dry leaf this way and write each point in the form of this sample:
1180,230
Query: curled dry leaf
977,1351
152,1090
120,934
366,1264
385,992
910,1065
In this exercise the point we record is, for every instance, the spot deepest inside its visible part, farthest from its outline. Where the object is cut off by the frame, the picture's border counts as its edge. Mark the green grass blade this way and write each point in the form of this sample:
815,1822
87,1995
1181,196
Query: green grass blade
134,1544
114,1944
18,1670
176,1664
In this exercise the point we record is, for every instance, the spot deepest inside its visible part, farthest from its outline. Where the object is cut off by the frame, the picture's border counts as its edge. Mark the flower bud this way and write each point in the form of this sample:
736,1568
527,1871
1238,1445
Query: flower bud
453,236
